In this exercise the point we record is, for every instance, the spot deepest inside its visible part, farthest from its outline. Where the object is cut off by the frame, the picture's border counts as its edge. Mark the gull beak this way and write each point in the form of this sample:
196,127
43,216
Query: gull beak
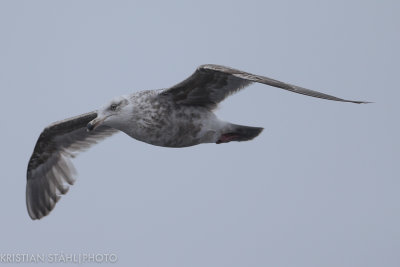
95,123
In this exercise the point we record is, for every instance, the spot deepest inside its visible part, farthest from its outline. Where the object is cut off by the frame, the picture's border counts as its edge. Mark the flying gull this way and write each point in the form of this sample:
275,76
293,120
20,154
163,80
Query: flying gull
179,116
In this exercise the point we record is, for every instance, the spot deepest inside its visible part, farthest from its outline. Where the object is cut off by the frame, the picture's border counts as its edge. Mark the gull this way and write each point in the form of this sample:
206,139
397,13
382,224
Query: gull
179,116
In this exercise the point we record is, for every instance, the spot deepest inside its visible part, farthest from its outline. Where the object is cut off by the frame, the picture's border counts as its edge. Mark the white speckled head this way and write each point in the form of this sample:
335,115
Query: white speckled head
112,114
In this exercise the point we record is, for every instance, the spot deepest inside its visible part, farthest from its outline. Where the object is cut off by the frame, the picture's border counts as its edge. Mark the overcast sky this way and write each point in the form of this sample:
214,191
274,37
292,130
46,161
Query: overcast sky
319,187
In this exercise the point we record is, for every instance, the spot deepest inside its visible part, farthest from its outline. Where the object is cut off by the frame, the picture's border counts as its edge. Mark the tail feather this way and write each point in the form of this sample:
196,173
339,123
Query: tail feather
239,133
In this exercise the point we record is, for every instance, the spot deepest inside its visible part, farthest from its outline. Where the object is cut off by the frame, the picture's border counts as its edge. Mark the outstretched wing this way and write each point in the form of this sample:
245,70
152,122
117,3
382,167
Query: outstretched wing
210,84
50,171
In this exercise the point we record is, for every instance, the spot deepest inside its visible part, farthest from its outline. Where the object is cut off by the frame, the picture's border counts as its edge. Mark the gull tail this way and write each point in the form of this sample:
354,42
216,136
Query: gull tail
239,133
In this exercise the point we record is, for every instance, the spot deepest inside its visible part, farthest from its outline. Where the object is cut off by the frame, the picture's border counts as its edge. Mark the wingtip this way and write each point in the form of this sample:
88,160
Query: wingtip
363,102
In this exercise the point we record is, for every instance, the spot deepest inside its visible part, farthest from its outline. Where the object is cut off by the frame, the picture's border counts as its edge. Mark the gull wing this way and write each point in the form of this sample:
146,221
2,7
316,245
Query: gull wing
50,171
210,84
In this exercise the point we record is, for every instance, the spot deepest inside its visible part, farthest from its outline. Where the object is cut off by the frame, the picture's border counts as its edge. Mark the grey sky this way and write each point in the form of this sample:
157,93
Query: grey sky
319,187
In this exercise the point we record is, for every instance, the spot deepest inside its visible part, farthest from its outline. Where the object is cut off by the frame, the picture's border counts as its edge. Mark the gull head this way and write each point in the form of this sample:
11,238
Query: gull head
111,114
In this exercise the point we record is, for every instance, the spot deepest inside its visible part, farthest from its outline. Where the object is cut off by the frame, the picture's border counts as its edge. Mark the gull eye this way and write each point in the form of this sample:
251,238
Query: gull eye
113,107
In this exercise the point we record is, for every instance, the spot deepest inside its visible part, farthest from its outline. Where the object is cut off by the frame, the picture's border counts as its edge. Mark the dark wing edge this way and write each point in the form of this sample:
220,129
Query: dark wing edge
50,171
206,87
210,84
